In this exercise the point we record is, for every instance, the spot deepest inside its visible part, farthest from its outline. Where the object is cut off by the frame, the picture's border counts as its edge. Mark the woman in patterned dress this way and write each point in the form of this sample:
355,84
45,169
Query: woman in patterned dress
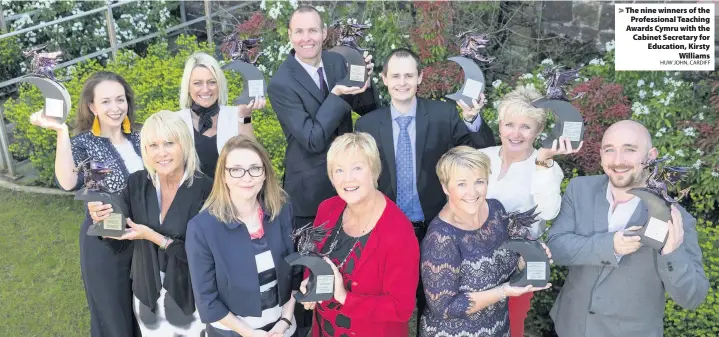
464,272
103,133
237,246
371,247
158,202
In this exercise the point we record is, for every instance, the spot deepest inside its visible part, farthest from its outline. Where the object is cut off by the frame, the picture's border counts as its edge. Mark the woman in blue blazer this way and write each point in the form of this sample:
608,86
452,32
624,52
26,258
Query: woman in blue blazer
236,248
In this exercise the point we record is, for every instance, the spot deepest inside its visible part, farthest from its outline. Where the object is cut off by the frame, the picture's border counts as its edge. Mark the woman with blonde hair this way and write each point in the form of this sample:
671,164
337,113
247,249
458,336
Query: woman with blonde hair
103,133
464,272
205,110
371,248
158,203
236,248
523,177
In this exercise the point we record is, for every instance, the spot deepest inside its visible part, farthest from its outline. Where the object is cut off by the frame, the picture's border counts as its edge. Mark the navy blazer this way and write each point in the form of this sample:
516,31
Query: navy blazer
223,269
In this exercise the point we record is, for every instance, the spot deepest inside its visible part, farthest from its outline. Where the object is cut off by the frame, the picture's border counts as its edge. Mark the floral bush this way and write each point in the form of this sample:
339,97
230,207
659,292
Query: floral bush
81,36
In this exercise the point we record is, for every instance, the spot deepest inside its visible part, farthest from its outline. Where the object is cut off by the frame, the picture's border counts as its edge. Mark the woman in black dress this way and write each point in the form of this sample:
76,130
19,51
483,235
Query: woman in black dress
103,133
203,100
159,202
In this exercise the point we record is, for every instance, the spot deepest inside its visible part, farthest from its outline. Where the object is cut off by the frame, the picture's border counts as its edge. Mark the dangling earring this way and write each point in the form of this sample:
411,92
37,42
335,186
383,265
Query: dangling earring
96,127
126,125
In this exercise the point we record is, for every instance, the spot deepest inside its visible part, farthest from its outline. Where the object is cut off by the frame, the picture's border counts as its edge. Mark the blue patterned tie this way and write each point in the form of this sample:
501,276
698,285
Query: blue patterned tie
405,165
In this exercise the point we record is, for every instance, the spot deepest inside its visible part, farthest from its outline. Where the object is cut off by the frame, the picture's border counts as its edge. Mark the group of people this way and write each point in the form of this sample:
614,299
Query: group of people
412,198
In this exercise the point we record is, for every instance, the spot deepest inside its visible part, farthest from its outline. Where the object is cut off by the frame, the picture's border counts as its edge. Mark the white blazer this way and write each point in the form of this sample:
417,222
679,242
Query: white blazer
227,124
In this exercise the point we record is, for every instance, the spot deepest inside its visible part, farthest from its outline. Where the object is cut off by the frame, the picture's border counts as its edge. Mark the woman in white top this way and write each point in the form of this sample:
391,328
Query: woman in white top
203,100
522,176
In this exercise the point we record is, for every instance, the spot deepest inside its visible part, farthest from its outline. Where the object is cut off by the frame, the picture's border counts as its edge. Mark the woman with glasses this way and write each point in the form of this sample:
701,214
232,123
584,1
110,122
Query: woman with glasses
236,248
203,100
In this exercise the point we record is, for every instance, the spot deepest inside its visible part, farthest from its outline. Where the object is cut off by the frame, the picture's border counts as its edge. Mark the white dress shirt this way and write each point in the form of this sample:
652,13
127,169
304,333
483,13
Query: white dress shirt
312,71
524,186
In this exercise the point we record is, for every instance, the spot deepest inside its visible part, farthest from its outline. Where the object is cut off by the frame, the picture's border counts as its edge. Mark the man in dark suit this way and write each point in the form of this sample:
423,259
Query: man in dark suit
313,110
412,134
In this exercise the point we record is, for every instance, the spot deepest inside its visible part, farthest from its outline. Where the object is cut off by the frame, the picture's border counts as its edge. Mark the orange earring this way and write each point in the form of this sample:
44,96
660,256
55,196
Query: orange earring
96,127
126,125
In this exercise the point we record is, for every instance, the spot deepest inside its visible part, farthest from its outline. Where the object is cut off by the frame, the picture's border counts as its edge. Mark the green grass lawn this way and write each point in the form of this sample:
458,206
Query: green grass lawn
41,292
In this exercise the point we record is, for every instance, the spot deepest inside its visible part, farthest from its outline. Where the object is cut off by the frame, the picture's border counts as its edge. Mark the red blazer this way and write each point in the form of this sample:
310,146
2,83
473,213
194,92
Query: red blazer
385,278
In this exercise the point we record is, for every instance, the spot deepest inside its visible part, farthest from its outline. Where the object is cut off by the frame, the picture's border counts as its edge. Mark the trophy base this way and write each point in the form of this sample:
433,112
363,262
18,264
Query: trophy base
537,271
321,284
115,225
654,232
356,67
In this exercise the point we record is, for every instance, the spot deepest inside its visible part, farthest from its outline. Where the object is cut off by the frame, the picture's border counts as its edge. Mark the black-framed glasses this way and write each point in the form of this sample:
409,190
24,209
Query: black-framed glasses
238,172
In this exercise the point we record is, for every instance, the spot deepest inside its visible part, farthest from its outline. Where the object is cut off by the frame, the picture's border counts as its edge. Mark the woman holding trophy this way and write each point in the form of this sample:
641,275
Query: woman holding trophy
370,245
523,177
103,134
158,203
203,100
465,273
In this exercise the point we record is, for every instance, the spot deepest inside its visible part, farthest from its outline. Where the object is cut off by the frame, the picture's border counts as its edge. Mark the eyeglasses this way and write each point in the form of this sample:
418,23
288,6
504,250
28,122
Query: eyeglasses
238,172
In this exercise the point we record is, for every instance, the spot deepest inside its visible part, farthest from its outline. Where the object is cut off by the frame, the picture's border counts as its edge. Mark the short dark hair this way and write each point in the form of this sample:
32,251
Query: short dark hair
306,9
402,53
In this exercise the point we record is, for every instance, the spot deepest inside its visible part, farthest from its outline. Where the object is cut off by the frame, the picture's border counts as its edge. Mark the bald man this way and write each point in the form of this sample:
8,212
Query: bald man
616,286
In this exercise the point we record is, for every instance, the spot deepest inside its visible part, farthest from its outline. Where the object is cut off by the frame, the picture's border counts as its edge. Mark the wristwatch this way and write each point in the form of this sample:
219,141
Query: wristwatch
544,163
246,120
471,120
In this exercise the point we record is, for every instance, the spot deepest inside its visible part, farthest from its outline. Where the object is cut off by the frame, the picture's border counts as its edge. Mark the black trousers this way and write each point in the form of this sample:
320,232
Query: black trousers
302,316
420,229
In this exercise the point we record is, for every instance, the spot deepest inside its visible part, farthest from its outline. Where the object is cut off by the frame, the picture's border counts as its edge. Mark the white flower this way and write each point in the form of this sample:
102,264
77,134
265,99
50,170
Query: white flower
375,80
690,132
496,83
697,164
651,84
320,9
656,93
700,116
540,76
666,80
495,104
293,3
640,83
715,174
548,62
642,94
609,46
263,5
543,136
640,109
594,61
700,152
679,153
392,47
368,38
526,76
262,68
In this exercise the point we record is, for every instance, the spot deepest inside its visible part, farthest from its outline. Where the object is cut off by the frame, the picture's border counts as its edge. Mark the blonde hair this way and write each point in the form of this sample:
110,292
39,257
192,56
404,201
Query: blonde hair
348,145
462,157
200,59
169,126
271,195
518,102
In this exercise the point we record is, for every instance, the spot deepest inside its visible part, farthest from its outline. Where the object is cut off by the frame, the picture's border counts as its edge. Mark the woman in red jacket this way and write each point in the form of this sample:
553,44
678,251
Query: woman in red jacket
371,245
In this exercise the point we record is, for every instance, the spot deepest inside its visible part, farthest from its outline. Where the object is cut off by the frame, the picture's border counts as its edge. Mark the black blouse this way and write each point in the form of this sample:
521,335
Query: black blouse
141,205
206,148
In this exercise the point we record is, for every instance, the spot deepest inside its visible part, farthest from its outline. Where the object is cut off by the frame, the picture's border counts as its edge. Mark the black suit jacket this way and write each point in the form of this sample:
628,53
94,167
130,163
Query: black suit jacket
310,124
438,128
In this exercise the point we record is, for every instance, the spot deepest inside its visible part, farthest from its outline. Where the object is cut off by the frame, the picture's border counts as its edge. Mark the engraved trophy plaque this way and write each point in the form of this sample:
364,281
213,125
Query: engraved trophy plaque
321,284
95,190
568,121
658,202
470,55
342,39
537,271
57,99
253,81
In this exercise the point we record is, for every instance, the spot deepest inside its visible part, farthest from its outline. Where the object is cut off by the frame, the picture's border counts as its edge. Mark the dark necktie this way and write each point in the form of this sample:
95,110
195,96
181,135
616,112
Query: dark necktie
323,85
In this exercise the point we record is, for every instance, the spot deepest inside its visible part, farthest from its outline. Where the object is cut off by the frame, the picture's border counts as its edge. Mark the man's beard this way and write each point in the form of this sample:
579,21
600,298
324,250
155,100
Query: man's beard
635,179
